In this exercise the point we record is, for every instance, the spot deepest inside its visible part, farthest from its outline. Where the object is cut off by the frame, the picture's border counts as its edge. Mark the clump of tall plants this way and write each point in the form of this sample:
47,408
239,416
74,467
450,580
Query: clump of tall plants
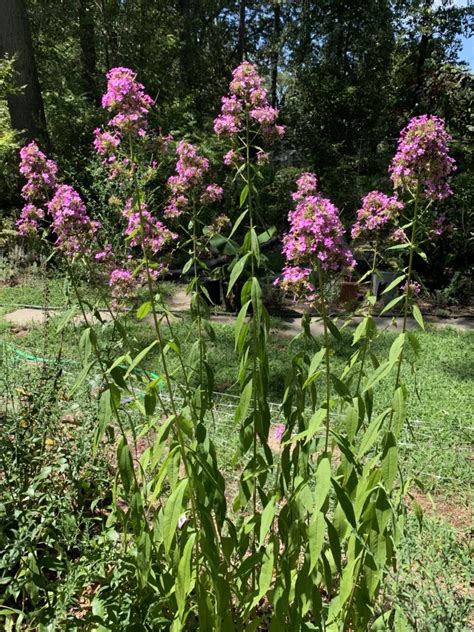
306,537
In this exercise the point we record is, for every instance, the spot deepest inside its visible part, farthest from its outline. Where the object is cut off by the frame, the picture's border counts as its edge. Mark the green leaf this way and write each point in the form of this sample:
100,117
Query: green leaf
396,348
345,503
238,221
144,310
379,373
360,331
187,265
81,377
340,388
172,511
85,344
244,195
313,367
315,538
244,403
267,235
418,316
184,580
414,343
392,304
394,283
371,434
313,426
333,329
240,321
266,574
267,518
136,361
389,461
322,483
399,410
237,271
125,465
104,418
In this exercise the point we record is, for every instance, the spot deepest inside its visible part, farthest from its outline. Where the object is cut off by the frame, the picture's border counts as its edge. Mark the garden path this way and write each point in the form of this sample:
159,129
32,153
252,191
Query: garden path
290,324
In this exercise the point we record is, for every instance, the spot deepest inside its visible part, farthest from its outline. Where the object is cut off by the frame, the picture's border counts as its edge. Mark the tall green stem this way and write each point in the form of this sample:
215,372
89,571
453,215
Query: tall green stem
367,340
254,325
407,291
326,345
197,295
179,434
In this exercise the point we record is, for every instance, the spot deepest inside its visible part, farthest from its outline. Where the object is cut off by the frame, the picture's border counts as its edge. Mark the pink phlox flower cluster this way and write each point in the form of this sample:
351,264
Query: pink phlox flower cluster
247,95
177,204
41,180
377,210
440,227
399,235
212,193
412,289
316,236
296,280
219,224
123,284
106,142
233,157
265,115
262,157
74,229
104,255
278,432
39,172
190,170
126,98
144,230
306,184
422,160
27,224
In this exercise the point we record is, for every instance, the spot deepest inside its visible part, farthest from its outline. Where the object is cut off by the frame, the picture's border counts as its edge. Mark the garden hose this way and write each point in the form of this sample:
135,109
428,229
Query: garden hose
29,357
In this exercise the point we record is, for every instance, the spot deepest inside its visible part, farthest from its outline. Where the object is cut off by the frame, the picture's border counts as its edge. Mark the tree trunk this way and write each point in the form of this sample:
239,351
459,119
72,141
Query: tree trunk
241,42
26,109
85,10
275,49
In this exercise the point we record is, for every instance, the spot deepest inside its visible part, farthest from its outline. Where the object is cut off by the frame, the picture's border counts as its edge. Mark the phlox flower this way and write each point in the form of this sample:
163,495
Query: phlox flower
39,172
190,170
422,161
74,229
306,184
377,210
126,98
247,96
316,235
144,230
212,193
412,289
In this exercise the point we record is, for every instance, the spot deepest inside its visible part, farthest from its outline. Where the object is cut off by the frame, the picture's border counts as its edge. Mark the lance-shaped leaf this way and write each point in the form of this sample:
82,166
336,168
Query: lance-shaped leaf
322,483
172,511
237,271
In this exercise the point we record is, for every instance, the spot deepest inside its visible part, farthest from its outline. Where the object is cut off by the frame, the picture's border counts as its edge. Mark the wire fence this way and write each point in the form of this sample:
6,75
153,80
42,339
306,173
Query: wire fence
222,428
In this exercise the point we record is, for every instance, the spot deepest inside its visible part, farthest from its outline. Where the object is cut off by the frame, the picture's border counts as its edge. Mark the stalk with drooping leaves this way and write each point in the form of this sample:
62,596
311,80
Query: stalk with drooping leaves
314,244
189,196
373,221
245,118
420,168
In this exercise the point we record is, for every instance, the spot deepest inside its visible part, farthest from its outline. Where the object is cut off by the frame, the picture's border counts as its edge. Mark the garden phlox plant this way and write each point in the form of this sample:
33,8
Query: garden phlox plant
305,529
